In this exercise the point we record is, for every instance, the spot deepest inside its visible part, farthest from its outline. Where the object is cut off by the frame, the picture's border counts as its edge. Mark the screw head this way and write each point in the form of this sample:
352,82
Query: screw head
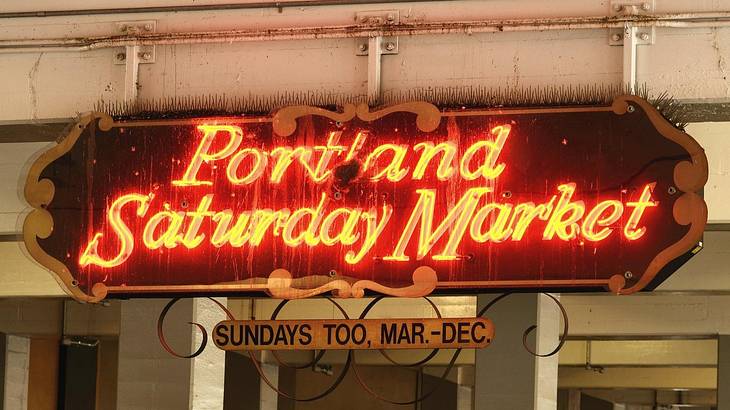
644,36
646,6
617,7
630,108
390,17
363,47
121,56
616,37
146,56
390,46
148,27
628,274
671,190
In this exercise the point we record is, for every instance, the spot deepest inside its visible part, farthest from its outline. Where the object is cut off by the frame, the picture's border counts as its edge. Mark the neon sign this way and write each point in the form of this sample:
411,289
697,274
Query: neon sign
308,201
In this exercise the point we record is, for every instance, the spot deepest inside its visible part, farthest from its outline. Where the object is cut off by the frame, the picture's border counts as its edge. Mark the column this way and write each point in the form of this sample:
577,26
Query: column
723,372
208,369
507,377
268,397
15,382
464,389
150,377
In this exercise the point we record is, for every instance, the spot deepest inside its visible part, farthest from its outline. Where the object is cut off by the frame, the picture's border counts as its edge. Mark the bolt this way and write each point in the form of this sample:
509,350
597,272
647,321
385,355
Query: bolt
644,36
121,56
146,55
616,37
363,47
148,27
390,46
645,6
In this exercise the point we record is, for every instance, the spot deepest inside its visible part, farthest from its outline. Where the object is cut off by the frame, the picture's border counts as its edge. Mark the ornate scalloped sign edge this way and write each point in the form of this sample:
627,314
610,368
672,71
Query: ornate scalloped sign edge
689,209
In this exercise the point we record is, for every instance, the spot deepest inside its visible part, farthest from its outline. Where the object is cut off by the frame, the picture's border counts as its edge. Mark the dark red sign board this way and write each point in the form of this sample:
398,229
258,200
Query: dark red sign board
403,201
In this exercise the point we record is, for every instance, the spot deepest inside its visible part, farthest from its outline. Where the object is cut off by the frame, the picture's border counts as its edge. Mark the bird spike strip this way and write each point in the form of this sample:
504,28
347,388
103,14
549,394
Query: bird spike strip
444,97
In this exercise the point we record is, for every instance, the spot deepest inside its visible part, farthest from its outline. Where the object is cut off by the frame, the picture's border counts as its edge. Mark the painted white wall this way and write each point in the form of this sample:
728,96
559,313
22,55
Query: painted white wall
688,63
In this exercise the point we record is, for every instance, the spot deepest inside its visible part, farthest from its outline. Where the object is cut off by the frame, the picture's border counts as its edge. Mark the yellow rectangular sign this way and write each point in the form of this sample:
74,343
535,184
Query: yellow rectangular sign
448,333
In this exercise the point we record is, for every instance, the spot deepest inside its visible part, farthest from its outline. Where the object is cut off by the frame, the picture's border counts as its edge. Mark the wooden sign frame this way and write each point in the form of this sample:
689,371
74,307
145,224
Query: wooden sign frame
689,210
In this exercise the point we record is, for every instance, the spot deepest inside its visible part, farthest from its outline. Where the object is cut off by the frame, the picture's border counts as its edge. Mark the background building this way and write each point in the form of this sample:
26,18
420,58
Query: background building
650,351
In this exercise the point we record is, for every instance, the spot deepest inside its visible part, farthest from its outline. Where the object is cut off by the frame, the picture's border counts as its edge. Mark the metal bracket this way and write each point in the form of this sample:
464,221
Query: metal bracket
645,36
374,69
630,7
389,45
133,55
378,17
146,54
630,36
375,46
624,8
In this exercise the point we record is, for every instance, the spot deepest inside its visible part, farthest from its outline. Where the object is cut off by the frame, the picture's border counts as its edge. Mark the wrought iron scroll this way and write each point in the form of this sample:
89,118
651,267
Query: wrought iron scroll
351,361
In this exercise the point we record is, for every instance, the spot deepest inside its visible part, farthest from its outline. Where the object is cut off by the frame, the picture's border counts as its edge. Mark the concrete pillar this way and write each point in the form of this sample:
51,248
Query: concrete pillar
506,376
546,368
268,398
723,372
17,364
464,389
149,377
208,369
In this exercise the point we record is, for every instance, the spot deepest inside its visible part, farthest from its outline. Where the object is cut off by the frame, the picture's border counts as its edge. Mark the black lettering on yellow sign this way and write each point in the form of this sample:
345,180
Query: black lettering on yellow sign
353,334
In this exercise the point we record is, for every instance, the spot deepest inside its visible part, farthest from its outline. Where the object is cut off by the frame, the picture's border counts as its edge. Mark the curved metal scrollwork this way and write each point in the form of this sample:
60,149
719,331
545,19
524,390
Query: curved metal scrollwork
351,362
203,344
317,357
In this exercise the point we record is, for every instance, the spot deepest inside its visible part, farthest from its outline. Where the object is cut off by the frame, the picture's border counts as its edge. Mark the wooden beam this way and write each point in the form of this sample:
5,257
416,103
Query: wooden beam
44,131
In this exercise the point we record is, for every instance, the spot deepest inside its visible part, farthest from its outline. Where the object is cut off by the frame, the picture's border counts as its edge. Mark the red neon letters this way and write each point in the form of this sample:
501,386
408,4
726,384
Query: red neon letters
476,216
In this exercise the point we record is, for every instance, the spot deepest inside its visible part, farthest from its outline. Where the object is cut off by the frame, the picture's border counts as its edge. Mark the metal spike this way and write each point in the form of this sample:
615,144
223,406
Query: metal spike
467,96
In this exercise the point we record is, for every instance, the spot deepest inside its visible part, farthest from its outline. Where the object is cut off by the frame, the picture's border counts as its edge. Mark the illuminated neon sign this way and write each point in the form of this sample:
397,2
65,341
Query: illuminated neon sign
307,201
